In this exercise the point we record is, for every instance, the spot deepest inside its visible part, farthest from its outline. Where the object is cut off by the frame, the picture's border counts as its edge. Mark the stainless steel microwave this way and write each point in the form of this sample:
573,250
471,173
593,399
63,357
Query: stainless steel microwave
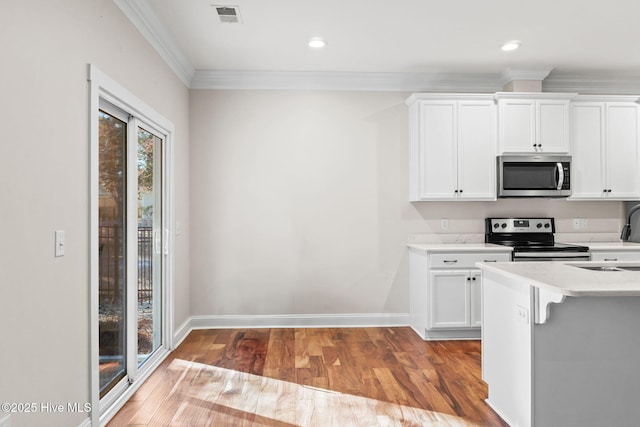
534,176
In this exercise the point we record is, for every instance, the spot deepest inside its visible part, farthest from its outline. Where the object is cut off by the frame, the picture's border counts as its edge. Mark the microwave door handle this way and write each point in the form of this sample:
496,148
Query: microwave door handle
560,175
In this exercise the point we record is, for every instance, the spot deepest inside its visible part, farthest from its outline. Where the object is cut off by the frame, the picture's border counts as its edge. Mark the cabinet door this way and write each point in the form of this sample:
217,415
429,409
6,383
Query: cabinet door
552,126
517,125
587,174
476,150
449,299
438,164
476,297
622,151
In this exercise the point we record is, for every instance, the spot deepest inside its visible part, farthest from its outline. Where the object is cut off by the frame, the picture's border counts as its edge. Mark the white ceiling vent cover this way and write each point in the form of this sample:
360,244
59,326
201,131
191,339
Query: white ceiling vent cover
228,14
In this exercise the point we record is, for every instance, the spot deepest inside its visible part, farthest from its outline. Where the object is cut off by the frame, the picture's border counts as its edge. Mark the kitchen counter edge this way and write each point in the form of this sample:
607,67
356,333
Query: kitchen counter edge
459,247
565,278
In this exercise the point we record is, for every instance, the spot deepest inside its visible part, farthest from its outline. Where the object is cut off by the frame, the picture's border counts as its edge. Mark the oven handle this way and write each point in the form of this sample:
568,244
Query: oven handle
560,175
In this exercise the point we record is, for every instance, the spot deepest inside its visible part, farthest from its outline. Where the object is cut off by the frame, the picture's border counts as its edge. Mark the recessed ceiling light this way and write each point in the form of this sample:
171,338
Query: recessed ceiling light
317,42
512,45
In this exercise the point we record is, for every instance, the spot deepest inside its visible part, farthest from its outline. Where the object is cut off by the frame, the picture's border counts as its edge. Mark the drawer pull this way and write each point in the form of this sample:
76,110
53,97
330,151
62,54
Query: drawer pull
490,260
611,259
450,261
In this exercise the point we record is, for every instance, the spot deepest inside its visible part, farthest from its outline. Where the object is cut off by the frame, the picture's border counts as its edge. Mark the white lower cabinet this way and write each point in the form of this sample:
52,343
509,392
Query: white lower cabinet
451,298
446,293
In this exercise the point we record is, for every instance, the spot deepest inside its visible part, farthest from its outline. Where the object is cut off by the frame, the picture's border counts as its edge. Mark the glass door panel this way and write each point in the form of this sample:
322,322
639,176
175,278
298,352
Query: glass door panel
112,254
150,243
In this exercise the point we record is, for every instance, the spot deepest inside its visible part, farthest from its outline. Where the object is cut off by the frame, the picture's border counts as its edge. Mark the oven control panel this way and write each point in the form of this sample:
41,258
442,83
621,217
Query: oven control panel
519,225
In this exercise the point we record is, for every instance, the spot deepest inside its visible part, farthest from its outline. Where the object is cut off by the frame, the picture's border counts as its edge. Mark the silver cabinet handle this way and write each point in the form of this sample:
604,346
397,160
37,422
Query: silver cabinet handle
490,260
610,259
450,261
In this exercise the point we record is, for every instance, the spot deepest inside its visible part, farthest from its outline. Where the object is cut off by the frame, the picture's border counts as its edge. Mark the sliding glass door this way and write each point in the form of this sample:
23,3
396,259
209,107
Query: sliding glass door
130,252
131,242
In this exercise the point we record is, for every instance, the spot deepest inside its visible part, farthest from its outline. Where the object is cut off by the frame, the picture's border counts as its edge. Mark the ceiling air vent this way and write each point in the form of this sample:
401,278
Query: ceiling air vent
228,14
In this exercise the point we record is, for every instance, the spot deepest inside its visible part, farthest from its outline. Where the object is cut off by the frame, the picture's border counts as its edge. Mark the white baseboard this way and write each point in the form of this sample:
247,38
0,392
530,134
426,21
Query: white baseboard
181,333
300,321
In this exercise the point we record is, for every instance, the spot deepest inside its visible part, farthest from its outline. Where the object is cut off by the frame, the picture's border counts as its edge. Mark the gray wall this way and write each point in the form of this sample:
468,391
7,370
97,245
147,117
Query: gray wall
299,204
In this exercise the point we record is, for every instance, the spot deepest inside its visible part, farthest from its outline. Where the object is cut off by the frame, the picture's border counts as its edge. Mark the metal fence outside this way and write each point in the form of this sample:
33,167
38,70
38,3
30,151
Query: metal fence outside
111,265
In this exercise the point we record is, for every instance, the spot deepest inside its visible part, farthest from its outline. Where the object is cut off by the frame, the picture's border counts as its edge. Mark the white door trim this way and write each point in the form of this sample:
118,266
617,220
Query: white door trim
103,87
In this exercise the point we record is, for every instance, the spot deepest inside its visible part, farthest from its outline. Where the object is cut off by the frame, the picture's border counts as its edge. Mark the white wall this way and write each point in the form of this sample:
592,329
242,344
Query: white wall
299,204
44,177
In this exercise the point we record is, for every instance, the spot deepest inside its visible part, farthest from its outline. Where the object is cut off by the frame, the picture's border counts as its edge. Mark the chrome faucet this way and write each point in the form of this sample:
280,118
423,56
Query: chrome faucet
626,230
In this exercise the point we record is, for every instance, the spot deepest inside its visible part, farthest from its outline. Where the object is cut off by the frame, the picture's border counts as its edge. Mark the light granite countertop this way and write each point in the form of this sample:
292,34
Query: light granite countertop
567,278
610,246
459,247
475,247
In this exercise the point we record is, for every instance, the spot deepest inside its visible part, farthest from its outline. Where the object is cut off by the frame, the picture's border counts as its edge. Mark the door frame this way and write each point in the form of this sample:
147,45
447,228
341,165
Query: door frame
104,88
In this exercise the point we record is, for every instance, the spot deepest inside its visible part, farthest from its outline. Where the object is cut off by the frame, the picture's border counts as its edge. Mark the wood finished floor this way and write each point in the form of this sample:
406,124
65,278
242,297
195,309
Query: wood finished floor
313,377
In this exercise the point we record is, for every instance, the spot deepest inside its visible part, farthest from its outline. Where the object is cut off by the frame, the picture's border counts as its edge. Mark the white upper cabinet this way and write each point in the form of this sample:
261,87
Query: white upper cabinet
534,122
605,151
452,147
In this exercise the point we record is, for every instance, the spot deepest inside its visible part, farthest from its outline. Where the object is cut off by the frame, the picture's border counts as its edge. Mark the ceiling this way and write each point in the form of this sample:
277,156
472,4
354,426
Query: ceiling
403,37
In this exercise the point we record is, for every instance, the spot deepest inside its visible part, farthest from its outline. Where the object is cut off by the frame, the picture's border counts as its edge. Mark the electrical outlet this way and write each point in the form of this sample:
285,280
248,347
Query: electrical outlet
584,223
576,223
444,224
522,315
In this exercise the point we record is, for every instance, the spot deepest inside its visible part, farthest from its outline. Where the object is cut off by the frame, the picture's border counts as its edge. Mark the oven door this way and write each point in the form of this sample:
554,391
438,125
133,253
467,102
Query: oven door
551,256
534,176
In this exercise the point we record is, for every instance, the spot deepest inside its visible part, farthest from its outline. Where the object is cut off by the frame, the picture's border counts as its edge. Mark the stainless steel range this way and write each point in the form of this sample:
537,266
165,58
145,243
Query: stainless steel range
532,239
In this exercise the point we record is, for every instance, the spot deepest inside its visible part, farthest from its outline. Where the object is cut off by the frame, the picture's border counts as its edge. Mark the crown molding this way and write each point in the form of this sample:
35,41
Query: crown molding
510,74
156,33
414,82
352,81
593,84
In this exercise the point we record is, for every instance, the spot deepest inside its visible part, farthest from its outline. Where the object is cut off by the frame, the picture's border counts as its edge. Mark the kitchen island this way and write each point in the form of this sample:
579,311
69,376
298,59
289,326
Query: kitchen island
561,343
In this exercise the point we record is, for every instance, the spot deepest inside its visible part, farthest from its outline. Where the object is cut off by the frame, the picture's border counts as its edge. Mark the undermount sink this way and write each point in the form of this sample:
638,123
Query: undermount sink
610,268
600,268
630,268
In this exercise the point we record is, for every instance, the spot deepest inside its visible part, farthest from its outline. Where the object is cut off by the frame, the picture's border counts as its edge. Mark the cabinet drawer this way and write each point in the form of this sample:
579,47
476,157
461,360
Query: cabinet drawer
466,260
615,256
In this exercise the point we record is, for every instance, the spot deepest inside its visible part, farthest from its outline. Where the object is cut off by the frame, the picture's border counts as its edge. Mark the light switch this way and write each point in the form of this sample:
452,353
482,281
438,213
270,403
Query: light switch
60,243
